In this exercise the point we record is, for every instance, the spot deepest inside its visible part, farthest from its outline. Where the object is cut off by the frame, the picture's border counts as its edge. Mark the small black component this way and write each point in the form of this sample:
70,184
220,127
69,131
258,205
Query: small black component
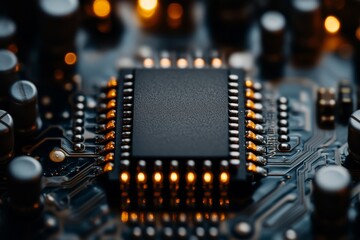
283,123
354,136
24,107
284,147
25,183
6,136
307,32
283,138
230,20
345,101
331,188
273,26
180,114
283,100
8,75
59,22
326,107
283,107
283,130
283,115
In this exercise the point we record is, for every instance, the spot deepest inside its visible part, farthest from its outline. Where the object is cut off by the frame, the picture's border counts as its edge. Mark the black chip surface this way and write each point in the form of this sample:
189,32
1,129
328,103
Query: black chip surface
180,114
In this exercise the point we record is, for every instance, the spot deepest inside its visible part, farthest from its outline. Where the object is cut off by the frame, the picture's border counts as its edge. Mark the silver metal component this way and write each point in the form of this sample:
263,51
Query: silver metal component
234,119
125,154
258,106
233,84
233,106
257,96
242,229
233,92
234,154
125,147
234,133
129,77
233,99
234,112
234,147
233,78
127,99
128,84
257,86
234,162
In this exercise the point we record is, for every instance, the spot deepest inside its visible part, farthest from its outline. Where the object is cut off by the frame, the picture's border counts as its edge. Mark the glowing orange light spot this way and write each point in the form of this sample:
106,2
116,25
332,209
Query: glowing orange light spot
332,24
224,177
182,63
190,177
216,62
357,33
199,63
147,8
157,177
175,11
124,217
165,63
148,63
207,177
70,58
124,177
173,177
108,167
141,177
101,8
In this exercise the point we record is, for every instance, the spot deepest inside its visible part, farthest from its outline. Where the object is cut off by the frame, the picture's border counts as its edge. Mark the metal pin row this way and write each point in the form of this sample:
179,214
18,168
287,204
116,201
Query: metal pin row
255,141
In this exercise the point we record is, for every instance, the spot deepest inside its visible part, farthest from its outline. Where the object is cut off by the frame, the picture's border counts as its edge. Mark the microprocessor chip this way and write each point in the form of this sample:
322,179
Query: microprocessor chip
174,129
180,114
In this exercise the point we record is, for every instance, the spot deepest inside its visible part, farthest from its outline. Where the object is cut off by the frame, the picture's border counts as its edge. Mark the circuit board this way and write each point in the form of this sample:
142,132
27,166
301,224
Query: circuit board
169,119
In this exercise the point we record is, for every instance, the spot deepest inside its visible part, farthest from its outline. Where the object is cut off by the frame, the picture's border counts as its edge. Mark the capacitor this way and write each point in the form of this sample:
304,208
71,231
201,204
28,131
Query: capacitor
354,136
345,100
59,21
331,198
8,72
24,107
24,14
273,26
25,174
326,107
307,32
229,20
7,34
6,137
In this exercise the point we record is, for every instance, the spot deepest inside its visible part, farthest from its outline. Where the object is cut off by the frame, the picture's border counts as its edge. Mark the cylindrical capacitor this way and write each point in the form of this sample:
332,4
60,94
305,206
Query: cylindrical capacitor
307,32
229,20
8,72
273,26
59,22
23,13
354,136
24,107
7,34
331,199
6,137
25,174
